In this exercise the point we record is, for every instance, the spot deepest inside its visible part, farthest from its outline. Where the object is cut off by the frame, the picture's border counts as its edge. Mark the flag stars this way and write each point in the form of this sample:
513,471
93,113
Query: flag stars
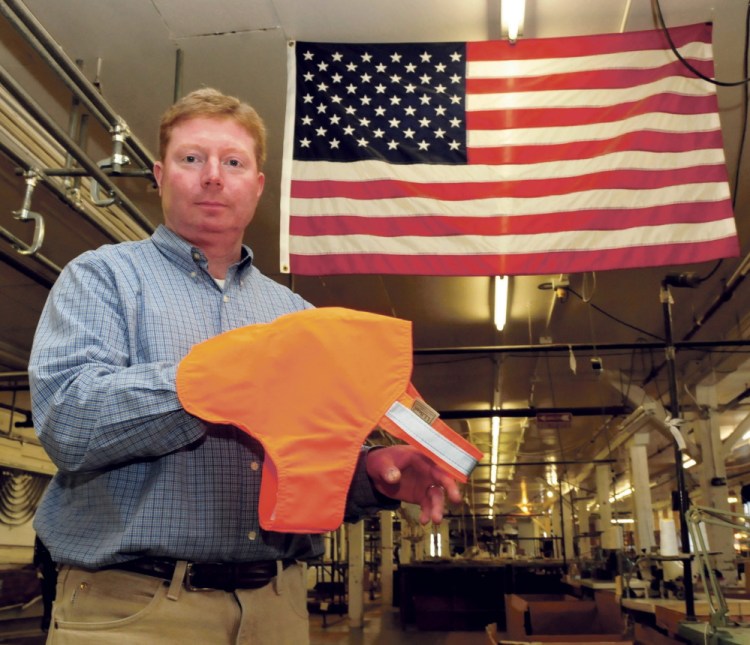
380,104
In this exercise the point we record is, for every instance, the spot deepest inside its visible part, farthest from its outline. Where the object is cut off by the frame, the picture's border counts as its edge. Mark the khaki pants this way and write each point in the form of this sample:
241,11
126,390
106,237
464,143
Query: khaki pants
113,607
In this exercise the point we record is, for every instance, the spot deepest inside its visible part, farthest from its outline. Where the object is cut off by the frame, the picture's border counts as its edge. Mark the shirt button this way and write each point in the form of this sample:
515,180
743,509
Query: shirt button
193,274
252,535
254,465
226,298
196,256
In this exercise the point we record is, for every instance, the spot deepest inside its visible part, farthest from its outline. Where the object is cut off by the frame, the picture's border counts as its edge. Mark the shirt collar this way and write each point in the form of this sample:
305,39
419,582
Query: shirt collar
186,255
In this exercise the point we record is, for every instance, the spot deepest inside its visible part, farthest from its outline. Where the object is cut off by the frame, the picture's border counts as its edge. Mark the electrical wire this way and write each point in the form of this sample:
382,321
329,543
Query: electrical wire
682,59
617,320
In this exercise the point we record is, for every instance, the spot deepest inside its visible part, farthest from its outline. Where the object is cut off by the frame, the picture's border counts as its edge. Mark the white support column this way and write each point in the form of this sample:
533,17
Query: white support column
610,535
584,543
445,538
528,547
355,589
645,539
386,558
569,530
713,482
426,543
556,521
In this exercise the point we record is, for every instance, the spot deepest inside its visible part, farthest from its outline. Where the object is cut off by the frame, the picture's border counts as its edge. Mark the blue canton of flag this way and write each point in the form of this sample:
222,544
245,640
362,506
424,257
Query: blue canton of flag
401,103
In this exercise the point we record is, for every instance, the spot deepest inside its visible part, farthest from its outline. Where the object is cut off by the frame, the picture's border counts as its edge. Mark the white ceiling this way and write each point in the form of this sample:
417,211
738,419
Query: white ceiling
130,50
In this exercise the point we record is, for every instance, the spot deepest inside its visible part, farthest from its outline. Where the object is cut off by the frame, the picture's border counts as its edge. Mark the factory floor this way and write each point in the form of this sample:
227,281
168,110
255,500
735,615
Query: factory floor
382,627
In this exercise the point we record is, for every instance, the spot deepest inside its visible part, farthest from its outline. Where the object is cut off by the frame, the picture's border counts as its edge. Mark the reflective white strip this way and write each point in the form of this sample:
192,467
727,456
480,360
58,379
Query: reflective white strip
425,435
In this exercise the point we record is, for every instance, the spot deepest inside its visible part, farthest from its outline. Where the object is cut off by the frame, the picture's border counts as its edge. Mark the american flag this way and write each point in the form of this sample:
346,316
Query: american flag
486,158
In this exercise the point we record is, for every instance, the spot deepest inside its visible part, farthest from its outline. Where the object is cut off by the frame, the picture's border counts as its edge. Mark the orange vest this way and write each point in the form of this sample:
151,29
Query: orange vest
310,386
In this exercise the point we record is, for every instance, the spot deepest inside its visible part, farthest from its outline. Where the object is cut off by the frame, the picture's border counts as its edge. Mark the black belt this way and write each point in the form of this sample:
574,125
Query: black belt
204,576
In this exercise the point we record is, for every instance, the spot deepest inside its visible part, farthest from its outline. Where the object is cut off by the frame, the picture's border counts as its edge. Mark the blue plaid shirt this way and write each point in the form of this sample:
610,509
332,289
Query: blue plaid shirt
137,475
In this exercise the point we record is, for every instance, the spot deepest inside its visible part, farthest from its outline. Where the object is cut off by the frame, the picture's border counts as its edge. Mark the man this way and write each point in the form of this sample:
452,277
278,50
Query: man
153,514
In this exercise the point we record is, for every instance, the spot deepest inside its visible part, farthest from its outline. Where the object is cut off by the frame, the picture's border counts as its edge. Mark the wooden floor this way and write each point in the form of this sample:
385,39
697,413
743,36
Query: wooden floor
382,627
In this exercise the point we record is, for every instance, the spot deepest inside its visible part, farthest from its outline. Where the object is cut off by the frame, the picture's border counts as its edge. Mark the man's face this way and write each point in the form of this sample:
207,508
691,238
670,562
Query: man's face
209,181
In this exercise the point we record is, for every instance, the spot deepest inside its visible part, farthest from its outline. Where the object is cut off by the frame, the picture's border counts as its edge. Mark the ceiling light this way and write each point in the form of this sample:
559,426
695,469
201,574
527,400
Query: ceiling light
511,18
687,461
501,301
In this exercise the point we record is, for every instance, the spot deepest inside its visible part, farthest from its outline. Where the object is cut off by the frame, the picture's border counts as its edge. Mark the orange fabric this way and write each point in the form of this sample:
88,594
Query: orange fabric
309,386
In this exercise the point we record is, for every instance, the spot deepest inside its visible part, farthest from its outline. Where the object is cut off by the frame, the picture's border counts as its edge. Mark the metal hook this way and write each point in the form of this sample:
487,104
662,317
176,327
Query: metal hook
27,215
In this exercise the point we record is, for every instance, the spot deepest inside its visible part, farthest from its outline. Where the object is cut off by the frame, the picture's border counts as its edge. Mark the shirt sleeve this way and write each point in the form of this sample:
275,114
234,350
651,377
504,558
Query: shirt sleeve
91,407
363,499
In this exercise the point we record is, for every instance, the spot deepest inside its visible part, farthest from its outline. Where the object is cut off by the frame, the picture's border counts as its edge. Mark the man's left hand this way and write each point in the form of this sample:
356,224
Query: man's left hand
402,472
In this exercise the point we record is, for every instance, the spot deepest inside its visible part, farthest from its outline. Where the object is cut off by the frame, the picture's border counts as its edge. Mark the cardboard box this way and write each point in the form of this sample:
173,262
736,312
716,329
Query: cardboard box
558,618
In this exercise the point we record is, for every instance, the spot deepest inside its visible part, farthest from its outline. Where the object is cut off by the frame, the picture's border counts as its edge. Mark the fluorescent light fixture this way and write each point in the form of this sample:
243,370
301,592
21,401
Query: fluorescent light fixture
623,520
687,461
501,301
732,499
512,13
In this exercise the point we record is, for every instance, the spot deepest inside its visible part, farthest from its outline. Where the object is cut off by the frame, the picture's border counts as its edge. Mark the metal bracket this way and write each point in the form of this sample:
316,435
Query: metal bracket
115,162
27,215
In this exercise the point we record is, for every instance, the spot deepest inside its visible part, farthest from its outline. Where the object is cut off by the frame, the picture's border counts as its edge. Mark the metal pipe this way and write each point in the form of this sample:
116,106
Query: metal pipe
580,347
43,260
604,411
38,37
684,502
64,140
